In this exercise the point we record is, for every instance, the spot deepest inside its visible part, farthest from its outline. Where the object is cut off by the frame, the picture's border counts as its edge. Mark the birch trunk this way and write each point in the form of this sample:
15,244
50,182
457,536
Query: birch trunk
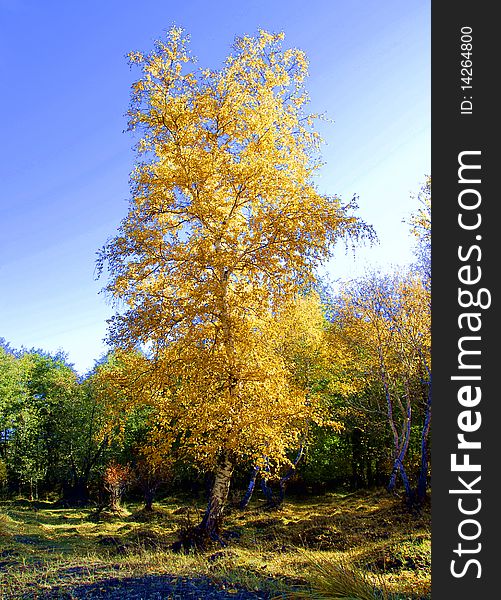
213,517
250,489
398,465
423,474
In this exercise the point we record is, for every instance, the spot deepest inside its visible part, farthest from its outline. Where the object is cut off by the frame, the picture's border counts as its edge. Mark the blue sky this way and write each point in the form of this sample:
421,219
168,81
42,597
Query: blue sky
65,160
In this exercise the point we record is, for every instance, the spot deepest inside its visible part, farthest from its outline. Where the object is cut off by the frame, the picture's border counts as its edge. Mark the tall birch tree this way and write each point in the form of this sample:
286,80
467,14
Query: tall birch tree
224,227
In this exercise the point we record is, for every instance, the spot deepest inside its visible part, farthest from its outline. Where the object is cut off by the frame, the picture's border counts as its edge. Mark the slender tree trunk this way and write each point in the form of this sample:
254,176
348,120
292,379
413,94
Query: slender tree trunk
114,500
407,486
283,480
265,487
250,489
267,492
213,517
398,444
276,500
398,465
356,457
423,473
149,496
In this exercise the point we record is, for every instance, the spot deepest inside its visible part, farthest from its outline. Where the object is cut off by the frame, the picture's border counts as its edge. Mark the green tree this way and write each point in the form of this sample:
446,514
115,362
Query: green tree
46,384
10,391
84,449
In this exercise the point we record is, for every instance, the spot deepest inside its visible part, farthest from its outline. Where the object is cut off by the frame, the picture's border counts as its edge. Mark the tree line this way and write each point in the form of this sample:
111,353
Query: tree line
358,361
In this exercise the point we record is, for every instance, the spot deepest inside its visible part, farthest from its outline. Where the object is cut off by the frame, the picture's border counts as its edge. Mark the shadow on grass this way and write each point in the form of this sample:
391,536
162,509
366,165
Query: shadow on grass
41,513
342,525
153,587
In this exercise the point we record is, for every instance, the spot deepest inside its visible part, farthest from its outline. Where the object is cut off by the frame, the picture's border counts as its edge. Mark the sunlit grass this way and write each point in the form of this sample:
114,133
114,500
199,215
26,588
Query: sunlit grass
364,542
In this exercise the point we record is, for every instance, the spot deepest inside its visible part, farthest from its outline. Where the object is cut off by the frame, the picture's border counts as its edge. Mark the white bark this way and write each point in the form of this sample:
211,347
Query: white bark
218,496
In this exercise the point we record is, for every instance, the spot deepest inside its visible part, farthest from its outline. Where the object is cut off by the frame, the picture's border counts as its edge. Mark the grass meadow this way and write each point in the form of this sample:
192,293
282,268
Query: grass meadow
361,546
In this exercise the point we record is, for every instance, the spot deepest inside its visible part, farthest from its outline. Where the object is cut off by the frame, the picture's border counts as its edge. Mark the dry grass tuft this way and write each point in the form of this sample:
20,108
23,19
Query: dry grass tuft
331,579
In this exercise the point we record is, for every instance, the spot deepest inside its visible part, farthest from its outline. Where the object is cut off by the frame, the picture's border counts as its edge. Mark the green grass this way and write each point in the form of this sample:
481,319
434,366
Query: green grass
363,543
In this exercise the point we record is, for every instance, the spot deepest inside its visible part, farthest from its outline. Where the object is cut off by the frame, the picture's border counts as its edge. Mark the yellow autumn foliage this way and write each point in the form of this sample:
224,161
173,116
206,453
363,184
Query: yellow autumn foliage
224,231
